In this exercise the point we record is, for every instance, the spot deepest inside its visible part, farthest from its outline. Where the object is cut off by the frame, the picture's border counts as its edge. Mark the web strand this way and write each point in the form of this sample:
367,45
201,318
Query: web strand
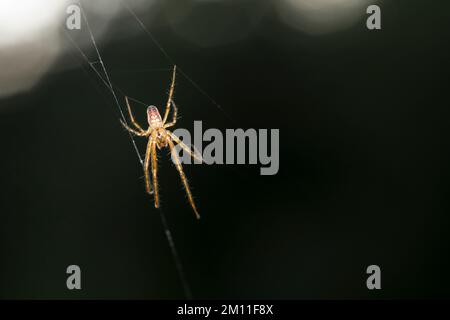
108,84
176,258
169,58
91,65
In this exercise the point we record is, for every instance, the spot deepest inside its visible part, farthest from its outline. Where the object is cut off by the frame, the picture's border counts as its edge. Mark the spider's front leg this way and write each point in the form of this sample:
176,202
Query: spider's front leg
134,122
169,99
174,117
195,153
140,133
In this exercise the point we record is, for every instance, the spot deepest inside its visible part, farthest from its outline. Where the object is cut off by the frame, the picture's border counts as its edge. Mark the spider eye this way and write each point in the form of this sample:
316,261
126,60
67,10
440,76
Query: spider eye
153,112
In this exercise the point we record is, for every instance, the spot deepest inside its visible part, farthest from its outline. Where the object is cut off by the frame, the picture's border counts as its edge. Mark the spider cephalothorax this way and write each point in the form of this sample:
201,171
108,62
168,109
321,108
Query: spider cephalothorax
159,136
154,118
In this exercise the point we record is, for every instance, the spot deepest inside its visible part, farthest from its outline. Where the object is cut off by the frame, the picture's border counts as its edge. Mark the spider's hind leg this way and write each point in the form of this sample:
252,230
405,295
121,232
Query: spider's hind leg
148,155
193,153
155,173
177,162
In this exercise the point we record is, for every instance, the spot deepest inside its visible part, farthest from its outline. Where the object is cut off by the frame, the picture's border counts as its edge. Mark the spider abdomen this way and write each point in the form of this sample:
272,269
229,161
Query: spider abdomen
153,117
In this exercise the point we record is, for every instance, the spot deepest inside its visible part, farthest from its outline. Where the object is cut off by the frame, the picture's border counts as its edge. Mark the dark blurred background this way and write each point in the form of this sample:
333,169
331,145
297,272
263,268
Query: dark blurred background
363,118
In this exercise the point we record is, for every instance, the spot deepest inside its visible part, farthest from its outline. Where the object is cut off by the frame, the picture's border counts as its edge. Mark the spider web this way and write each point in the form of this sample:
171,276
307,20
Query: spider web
103,75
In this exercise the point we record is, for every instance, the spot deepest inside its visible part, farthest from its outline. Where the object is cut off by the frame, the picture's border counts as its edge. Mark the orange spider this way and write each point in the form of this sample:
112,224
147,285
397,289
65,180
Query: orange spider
160,137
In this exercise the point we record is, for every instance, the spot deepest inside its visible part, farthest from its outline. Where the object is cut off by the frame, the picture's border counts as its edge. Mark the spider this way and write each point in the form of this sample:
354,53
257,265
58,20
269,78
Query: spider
159,136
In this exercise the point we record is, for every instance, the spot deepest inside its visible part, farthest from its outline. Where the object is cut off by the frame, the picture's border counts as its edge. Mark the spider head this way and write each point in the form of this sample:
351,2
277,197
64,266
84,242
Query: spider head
153,117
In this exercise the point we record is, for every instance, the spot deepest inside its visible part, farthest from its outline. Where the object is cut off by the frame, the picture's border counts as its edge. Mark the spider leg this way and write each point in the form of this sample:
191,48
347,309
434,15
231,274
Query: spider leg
140,133
148,155
131,115
174,117
183,177
154,172
172,86
196,154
